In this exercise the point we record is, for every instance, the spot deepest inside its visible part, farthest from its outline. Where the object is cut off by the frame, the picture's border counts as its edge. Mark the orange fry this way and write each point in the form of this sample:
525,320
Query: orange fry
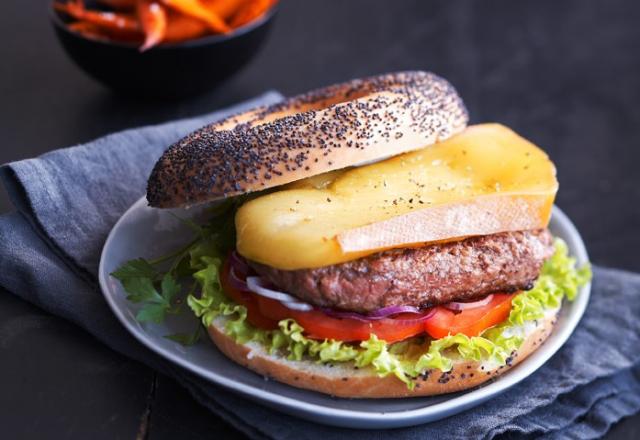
195,9
90,30
153,18
108,20
119,4
224,8
183,27
250,11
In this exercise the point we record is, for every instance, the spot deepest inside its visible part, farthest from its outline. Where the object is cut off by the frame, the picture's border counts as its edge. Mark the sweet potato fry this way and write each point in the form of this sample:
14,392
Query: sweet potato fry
91,31
107,20
182,27
250,11
224,8
153,19
196,9
88,30
120,5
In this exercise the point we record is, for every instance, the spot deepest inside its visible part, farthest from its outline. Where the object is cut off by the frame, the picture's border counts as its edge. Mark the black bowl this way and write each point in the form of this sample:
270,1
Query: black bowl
166,71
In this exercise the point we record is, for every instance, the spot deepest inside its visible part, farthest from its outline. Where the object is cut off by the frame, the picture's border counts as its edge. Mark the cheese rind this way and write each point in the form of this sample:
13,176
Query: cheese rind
483,215
483,181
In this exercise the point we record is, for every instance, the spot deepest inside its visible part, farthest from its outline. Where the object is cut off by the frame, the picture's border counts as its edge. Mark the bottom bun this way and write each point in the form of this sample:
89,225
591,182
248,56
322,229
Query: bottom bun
344,380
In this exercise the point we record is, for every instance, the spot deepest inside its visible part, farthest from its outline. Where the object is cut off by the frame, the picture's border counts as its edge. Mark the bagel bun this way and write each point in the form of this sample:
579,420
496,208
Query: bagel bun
344,380
343,125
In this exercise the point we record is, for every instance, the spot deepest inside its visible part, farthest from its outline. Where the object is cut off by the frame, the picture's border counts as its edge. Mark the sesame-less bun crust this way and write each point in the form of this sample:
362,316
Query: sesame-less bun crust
343,380
335,127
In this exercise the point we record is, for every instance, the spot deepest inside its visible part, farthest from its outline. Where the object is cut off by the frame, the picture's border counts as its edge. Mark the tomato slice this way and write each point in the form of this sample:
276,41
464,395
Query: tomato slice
470,322
319,325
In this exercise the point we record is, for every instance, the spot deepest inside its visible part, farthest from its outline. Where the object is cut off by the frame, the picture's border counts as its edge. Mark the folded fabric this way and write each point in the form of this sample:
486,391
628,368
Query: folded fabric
68,200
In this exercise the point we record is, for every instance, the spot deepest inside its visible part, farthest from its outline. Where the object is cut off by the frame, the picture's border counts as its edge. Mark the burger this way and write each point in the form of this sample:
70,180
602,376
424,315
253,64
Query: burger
362,241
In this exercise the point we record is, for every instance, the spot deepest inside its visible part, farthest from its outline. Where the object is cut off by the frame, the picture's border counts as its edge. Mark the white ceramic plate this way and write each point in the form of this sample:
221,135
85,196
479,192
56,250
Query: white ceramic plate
147,232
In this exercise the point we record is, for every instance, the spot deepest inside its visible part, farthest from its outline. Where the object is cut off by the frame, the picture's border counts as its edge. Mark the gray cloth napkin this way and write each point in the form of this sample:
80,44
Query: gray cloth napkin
68,200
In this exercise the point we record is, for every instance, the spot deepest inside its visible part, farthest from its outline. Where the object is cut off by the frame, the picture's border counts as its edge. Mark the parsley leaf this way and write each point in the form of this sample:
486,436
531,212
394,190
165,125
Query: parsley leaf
155,305
152,312
141,290
170,288
138,268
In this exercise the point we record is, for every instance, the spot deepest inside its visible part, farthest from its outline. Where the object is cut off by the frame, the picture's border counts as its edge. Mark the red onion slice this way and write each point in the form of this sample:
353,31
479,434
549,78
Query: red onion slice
299,306
393,310
257,285
422,318
381,314
236,282
347,315
239,264
460,306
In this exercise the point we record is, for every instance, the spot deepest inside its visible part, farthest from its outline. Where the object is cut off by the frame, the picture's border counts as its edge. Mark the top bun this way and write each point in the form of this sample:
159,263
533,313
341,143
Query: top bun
335,127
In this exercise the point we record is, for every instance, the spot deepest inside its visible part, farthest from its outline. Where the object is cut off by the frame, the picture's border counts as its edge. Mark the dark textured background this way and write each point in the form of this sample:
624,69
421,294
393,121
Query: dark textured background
565,74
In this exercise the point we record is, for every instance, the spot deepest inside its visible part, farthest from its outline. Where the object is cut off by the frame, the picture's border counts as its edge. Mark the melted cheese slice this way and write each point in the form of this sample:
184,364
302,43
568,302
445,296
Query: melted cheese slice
483,181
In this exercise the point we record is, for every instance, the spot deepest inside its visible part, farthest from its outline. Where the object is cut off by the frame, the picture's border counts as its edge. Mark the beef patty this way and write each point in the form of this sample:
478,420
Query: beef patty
423,276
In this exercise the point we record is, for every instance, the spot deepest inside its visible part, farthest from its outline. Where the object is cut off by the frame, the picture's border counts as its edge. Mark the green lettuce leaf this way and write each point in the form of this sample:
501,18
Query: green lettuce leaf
406,360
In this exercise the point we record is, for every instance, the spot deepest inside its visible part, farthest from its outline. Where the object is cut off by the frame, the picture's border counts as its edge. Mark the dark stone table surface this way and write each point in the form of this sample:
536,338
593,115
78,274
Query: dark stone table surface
565,74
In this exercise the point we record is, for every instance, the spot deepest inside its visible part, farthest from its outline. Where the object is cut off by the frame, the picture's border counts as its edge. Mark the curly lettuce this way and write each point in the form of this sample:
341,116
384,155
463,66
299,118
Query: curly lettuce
405,360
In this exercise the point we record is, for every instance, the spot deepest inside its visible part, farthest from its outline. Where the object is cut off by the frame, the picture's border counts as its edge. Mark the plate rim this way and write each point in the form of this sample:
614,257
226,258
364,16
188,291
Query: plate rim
347,417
